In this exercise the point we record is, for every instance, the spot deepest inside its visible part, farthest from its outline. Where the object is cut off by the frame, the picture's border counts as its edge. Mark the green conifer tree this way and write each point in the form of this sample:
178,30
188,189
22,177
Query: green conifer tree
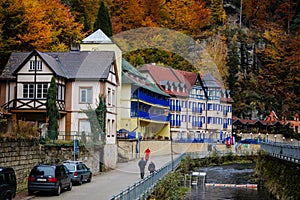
52,110
103,21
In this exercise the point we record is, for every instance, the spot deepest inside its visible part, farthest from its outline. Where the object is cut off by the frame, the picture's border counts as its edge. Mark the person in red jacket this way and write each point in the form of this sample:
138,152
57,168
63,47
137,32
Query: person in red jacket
147,154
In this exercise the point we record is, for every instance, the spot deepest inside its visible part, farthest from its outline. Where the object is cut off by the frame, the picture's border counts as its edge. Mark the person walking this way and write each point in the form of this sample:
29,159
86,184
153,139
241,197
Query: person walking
142,164
151,167
147,154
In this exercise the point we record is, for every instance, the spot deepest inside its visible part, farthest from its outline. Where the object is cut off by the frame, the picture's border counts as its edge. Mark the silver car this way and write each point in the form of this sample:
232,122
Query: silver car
79,171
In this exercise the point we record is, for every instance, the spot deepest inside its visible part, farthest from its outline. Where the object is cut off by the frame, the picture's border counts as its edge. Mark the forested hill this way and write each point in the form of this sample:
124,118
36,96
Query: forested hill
257,57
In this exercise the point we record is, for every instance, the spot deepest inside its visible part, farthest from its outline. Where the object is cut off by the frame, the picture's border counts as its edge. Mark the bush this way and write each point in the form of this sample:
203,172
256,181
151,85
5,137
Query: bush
22,129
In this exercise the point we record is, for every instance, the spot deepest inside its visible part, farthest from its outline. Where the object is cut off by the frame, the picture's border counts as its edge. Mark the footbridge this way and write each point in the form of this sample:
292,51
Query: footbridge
285,151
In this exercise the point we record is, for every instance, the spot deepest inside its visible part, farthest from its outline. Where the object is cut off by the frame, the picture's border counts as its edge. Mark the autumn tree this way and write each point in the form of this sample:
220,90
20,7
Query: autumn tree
37,24
186,16
103,21
218,14
85,12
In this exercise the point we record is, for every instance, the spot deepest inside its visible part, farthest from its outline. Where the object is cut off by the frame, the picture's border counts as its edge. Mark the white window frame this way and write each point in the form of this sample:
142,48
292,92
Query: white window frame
27,87
33,63
109,96
86,95
42,91
113,94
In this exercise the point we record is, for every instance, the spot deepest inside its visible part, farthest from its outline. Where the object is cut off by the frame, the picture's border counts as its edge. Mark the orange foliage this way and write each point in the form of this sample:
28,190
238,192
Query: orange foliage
44,25
187,16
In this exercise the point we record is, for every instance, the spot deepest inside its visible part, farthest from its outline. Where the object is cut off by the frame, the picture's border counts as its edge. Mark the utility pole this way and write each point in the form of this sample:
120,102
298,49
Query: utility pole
241,11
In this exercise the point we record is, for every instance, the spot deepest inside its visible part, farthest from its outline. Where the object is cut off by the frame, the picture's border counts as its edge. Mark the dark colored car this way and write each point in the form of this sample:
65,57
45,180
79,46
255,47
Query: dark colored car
80,172
8,183
53,178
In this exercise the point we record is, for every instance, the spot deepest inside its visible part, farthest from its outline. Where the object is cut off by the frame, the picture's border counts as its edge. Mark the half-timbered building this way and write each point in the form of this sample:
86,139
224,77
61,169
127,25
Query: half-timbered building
81,76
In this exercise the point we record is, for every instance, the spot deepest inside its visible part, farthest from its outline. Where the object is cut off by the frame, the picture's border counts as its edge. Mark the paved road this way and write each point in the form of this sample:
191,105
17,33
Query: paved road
107,184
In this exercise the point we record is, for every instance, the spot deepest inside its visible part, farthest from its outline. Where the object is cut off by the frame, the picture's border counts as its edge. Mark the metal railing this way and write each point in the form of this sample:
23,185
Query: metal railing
143,188
289,152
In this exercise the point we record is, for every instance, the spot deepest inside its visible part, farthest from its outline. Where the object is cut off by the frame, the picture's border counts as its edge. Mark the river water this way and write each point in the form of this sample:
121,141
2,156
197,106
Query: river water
227,174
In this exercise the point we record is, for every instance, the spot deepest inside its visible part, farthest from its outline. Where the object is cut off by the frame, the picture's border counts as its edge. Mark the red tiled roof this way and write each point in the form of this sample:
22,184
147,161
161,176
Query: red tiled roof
252,122
190,77
160,73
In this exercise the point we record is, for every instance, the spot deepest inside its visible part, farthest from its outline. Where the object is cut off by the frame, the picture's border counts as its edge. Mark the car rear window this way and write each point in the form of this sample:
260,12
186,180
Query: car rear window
43,171
70,166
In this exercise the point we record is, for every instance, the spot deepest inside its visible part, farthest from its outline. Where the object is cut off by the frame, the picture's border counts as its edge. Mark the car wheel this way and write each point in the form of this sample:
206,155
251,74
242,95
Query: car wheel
8,197
89,179
80,181
70,186
30,192
58,190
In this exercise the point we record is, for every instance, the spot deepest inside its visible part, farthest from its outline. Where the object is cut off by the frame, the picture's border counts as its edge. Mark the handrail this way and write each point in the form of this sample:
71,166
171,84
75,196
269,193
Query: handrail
289,152
143,188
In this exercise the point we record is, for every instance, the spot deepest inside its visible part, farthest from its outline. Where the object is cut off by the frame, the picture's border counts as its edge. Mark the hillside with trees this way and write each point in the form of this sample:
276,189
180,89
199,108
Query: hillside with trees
256,49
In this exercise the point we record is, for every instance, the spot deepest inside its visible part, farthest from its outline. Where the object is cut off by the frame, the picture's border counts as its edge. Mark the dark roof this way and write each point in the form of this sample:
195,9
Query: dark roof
210,81
132,76
15,60
72,65
85,64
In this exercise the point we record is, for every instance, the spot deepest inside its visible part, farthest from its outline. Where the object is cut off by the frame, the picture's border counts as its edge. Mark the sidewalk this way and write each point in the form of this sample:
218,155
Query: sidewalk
109,183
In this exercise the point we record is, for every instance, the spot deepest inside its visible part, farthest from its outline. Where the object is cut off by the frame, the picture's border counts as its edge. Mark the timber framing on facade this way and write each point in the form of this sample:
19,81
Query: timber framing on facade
81,76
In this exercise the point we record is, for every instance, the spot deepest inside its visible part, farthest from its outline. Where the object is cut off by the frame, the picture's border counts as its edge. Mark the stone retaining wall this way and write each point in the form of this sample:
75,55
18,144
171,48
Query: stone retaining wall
22,155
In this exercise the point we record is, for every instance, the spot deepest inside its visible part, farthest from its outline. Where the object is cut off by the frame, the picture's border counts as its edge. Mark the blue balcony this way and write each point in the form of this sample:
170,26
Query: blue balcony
150,99
225,112
225,125
150,116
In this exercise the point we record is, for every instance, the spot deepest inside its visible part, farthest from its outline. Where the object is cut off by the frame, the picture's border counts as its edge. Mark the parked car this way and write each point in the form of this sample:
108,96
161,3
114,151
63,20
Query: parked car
80,172
53,178
8,183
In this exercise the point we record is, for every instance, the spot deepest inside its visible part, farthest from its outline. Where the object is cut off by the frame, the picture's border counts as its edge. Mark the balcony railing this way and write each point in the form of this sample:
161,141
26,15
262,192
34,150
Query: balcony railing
150,116
150,99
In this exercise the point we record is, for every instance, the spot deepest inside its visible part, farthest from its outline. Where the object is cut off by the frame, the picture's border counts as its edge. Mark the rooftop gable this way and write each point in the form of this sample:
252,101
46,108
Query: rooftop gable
72,65
97,37
210,81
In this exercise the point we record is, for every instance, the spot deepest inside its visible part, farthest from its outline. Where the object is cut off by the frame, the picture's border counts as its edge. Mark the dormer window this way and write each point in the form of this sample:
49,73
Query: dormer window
35,63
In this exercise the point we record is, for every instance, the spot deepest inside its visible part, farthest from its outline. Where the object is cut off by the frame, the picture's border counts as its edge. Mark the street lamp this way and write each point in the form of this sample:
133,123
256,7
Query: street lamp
258,137
251,135
283,139
292,141
267,139
275,137
241,135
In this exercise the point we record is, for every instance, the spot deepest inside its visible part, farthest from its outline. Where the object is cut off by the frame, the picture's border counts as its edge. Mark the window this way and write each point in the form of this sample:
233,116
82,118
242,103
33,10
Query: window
86,95
41,92
113,97
61,92
84,126
28,91
37,63
109,97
